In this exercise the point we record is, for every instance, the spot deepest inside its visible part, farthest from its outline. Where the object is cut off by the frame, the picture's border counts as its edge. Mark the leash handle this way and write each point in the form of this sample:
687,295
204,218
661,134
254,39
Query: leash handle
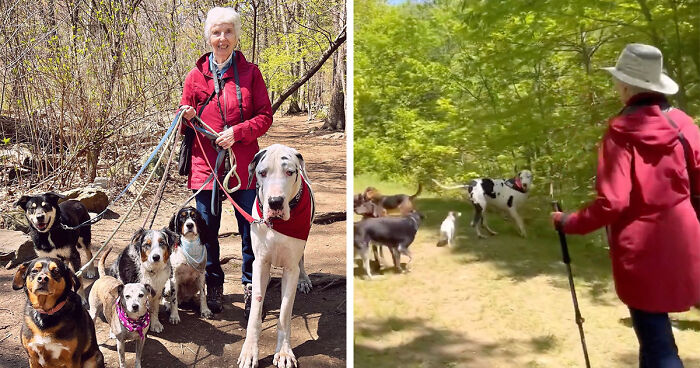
562,238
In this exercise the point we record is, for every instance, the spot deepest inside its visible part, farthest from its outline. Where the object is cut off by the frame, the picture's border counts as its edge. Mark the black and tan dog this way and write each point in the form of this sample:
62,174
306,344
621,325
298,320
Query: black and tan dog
146,260
57,330
402,203
46,218
395,232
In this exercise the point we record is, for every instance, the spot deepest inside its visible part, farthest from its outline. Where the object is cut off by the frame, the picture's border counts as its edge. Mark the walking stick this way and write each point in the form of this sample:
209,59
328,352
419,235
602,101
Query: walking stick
567,261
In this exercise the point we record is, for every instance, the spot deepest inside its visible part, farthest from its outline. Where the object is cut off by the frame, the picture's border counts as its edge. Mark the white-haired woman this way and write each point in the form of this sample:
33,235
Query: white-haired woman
644,186
229,95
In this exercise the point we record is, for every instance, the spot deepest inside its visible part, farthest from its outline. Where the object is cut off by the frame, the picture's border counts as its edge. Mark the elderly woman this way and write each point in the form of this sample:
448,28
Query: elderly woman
229,95
644,199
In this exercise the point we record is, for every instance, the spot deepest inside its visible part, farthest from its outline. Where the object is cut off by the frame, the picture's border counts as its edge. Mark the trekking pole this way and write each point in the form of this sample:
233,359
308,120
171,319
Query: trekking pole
567,261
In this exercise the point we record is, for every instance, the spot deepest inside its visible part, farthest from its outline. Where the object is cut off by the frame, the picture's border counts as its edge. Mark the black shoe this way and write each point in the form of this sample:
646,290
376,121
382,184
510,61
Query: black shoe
247,296
215,298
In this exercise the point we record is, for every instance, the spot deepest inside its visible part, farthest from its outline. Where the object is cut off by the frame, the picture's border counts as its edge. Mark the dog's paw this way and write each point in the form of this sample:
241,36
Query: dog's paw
156,326
206,313
174,319
284,358
249,355
90,273
304,285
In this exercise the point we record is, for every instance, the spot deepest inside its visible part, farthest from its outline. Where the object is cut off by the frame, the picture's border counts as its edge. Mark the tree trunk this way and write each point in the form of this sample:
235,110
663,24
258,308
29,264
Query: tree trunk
336,111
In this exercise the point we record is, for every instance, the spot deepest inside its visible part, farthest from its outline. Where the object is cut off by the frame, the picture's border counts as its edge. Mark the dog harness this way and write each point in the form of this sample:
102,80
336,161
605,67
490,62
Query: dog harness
133,325
188,248
53,310
515,184
301,212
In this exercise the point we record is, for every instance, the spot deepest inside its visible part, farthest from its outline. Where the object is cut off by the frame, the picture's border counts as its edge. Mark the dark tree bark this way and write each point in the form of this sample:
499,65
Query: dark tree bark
295,86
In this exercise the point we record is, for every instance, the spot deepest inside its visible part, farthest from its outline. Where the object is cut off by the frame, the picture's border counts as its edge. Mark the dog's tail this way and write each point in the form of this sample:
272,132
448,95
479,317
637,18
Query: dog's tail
446,187
101,264
420,188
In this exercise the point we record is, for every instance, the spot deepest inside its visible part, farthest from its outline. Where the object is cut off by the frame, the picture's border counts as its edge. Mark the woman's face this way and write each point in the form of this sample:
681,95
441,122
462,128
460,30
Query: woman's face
222,40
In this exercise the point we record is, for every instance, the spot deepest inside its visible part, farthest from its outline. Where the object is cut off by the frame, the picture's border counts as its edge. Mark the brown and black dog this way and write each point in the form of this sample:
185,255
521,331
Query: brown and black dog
57,330
402,203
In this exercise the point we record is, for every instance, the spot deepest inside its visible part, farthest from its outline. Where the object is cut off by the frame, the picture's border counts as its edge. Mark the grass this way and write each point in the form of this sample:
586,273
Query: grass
497,302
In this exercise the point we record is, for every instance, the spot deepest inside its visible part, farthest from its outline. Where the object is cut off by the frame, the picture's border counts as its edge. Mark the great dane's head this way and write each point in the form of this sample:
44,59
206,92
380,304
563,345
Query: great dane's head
279,171
525,177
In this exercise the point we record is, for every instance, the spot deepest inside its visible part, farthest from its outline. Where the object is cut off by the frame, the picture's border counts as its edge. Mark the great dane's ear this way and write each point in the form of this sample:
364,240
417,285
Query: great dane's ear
53,198
20,276
22,202
253,164
302,166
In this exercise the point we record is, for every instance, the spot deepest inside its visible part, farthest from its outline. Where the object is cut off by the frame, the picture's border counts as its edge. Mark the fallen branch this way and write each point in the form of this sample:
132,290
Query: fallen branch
326,218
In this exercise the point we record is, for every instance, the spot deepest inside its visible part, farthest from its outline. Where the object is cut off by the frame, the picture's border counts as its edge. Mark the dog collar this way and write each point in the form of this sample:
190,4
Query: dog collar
133,325
301,212
515,184
53,310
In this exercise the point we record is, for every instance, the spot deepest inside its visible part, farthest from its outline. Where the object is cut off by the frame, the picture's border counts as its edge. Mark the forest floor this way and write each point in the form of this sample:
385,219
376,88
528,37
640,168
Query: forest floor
318,318
497,302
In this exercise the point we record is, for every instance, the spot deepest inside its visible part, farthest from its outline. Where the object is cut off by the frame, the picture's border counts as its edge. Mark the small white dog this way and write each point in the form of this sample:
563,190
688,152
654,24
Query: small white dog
448,229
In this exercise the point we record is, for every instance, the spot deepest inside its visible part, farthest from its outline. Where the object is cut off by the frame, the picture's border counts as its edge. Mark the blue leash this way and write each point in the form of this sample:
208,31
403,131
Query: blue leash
143,168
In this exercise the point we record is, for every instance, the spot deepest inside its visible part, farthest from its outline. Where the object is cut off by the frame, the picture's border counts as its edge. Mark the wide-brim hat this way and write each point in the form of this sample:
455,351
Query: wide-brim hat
641,66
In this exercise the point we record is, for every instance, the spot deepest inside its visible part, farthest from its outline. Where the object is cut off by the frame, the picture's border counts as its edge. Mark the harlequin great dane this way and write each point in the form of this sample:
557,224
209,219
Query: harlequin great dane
505,194
284,211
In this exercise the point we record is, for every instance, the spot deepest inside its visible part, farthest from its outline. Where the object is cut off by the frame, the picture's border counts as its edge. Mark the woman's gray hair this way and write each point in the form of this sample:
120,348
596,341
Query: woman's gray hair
219,15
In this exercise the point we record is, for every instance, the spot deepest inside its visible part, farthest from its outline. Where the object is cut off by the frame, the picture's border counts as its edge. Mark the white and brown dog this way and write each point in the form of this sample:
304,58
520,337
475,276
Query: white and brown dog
125,308
505,194
284,208
146,260
188,261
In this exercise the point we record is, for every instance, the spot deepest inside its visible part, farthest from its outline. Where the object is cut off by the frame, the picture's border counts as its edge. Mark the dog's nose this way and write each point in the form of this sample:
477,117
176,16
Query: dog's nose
189,226
156,257
135,308
40,217
276,203
42,278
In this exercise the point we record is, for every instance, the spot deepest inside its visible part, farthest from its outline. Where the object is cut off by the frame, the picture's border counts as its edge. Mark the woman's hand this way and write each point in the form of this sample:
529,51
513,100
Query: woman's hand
189,112
225,140
556,219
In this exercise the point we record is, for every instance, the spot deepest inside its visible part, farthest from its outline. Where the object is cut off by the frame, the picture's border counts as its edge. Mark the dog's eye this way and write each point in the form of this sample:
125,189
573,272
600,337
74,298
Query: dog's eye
34,271
127,297
290,172
140,295
263,173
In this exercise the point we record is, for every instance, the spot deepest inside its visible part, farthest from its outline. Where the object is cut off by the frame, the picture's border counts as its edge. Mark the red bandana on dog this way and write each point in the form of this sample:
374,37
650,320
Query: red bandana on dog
299,224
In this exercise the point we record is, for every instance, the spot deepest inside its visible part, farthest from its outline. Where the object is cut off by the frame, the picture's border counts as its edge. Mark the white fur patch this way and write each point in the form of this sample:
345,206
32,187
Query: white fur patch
52,347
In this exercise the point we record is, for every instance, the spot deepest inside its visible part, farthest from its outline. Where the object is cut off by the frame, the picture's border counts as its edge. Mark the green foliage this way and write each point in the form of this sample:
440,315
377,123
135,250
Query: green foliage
454,89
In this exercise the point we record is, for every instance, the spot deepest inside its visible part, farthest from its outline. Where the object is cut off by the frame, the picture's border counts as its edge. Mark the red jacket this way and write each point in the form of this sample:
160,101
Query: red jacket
257,113
643,197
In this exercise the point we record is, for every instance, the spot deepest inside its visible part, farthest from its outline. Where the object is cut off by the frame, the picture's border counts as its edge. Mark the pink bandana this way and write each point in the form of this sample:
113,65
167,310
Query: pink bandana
133,325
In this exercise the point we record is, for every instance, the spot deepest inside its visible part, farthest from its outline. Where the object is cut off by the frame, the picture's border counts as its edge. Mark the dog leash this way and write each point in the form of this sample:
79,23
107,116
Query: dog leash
567,261
133,180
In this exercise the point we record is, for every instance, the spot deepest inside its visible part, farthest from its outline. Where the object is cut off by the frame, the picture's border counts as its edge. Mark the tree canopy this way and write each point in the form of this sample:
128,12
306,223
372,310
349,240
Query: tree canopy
457,89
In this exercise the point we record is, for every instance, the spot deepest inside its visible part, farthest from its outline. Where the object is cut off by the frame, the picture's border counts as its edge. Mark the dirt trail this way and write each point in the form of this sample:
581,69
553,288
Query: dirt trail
318,320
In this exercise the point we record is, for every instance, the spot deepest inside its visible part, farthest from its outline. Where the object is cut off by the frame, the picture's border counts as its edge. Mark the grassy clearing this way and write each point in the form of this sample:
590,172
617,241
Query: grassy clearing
497,302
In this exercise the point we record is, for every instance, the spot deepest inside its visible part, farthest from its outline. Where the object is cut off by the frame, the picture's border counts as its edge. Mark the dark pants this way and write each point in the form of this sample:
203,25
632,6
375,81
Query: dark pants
214,274
657,347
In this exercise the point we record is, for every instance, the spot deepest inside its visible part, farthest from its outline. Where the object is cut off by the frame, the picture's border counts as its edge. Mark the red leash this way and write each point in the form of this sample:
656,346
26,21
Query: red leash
245,214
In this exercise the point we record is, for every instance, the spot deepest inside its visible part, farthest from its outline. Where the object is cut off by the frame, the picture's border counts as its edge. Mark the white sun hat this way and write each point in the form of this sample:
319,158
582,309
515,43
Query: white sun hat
641,66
